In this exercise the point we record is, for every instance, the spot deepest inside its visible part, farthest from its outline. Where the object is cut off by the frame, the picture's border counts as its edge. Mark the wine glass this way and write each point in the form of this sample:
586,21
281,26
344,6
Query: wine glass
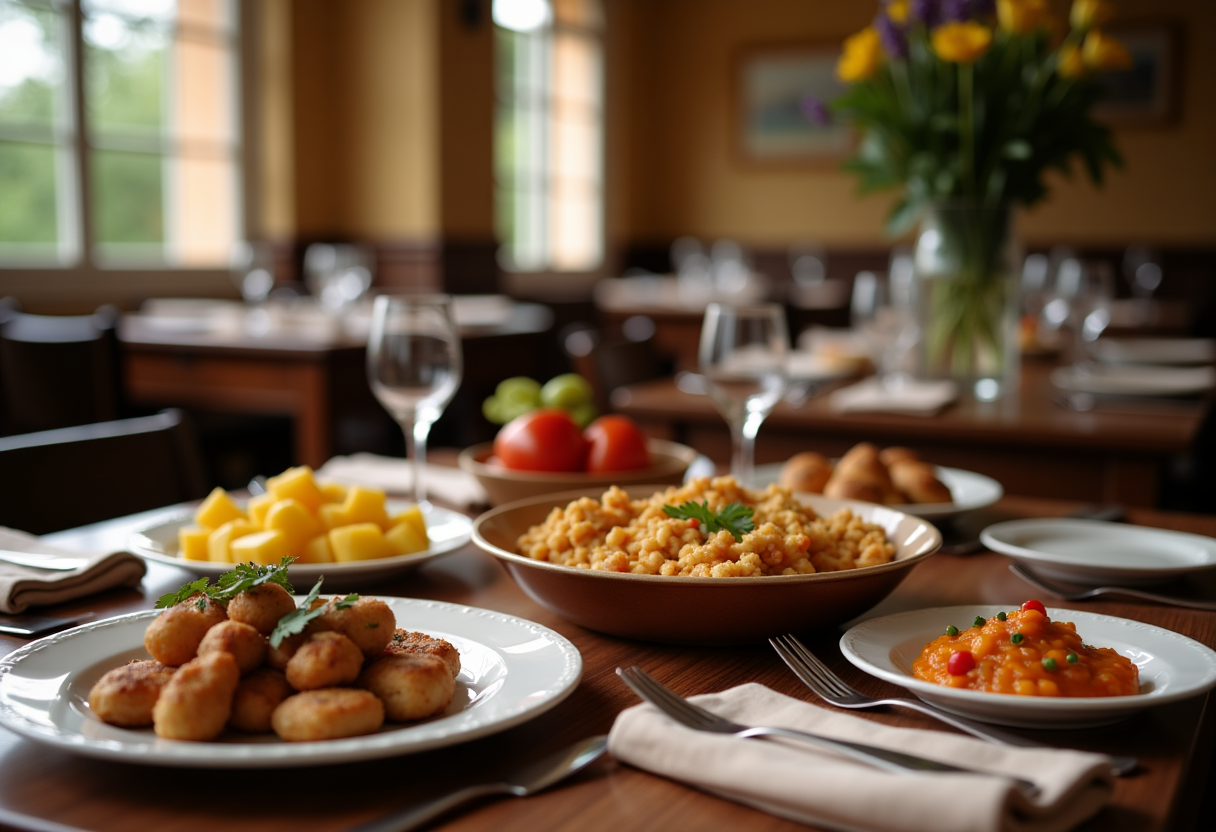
414,365
743,357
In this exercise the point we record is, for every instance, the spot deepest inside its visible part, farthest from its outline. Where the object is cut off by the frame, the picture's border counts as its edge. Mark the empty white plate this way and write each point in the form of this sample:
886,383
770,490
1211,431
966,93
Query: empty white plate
1155,350
1095,552
1135,380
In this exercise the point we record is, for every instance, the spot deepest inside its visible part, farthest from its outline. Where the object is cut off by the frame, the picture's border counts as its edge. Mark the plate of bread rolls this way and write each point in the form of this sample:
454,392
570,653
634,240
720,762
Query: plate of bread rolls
892,476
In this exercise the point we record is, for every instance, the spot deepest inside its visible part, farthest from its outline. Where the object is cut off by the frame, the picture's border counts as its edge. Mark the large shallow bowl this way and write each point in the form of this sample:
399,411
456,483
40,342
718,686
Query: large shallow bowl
702,610
669,462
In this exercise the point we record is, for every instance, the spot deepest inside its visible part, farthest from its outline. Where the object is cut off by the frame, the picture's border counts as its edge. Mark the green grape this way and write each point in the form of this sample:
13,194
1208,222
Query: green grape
512,409
568,391
491,408
583,414
519,389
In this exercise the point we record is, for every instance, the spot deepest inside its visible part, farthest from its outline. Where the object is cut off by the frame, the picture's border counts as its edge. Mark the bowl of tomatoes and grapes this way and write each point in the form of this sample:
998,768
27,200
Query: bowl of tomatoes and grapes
546,450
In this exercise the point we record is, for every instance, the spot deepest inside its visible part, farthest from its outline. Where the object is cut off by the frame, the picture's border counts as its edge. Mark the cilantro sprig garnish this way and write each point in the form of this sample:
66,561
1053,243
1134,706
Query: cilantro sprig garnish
294,622
736,518
244,577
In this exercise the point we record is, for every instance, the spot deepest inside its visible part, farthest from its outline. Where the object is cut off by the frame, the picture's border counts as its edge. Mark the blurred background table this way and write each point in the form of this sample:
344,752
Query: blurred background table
1028,442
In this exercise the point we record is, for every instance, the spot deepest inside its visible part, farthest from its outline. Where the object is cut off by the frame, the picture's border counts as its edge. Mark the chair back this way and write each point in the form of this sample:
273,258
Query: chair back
59,371
60,479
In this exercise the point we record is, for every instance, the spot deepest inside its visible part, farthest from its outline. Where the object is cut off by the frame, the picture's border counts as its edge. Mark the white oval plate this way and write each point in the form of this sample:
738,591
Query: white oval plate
447,530
1155,350
1172,667
970,490
511,671
1095,552
1135,380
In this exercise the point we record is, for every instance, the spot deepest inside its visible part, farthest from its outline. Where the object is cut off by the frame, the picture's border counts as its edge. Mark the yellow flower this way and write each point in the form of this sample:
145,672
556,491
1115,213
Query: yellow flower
1088,13
862,56
1022,16
961,43
897,10
1101,52
1072,65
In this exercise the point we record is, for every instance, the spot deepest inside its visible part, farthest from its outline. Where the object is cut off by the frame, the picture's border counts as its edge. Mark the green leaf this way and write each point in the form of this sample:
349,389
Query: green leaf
735,518
1018,149
174,598
294,621
246,576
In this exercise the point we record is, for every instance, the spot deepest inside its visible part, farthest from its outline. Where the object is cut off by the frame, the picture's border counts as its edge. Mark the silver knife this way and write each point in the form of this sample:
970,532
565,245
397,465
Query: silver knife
528,780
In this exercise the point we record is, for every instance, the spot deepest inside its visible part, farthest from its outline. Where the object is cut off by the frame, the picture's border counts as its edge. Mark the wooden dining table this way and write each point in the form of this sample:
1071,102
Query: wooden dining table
48,788
1030,441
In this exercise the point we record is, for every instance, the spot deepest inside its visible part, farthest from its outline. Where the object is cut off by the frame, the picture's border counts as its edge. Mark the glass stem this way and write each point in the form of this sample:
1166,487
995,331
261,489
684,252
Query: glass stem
743,448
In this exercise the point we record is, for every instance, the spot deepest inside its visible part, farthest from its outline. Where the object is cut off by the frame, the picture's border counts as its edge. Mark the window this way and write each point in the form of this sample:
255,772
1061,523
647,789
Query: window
548,142
119,134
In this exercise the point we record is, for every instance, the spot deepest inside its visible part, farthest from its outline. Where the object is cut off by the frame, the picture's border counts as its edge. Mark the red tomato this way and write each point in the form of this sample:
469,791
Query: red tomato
960,662
1032,604
543,440
615,444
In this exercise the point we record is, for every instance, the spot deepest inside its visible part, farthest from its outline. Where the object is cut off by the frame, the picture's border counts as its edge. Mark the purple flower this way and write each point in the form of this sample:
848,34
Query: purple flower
954,11
816,111
926,11
894,40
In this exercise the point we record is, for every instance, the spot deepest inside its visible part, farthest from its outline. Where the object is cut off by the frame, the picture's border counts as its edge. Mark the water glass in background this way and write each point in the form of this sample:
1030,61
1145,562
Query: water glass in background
414,365
1080,303
252,269
1143,273
883,312
337,275
808,264
743,358
694,279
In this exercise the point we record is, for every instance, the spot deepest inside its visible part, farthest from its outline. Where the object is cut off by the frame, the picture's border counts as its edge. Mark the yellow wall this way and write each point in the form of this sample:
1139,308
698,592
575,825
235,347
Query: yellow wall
685,178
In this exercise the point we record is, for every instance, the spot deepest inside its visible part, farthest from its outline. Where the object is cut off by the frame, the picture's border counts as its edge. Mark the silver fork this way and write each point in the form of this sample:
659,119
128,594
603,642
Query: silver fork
831,688
691,716
1082,594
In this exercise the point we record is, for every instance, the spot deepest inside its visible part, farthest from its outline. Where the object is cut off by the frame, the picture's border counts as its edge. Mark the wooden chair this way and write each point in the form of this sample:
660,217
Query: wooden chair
60,479
58,371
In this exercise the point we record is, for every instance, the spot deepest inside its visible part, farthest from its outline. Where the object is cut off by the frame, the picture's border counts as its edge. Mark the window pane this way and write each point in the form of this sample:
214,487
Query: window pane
203,224
125,73
576,69
202,85
27,180
128,206
31,69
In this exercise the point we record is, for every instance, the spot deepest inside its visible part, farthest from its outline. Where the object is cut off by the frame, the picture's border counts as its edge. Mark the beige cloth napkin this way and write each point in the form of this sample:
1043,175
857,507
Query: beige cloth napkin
450,485
22,587
917,398
811,785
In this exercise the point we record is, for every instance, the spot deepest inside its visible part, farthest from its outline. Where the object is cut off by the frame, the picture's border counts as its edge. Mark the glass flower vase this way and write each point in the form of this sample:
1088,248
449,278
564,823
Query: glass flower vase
967,294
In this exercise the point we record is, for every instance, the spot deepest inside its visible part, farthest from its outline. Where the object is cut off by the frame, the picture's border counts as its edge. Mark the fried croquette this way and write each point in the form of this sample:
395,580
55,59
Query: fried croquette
246,644
328,714
277,657
125,695
368,622
405,641
261,607
411,685
173,636
196,702
256,697
324,660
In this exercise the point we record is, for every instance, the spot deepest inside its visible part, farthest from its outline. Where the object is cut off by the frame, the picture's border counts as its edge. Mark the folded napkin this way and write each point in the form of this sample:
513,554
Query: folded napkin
444,483
22,587
812,785
917,398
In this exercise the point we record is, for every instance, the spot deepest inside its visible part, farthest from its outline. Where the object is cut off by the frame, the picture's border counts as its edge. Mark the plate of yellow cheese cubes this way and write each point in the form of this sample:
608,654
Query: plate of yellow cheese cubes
336,530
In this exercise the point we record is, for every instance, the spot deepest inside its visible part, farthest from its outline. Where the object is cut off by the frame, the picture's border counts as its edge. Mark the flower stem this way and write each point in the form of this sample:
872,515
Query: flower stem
966,95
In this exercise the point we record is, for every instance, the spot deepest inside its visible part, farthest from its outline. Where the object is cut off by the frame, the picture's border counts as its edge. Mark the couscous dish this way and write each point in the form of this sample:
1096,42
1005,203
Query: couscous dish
677,532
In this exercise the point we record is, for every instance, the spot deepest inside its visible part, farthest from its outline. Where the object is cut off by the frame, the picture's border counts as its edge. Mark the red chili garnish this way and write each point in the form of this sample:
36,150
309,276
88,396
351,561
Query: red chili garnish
1037,606
960,662
694,522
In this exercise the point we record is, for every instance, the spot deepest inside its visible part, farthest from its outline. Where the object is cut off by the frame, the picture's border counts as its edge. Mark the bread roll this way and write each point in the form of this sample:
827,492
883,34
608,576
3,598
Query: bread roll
919,483
808,472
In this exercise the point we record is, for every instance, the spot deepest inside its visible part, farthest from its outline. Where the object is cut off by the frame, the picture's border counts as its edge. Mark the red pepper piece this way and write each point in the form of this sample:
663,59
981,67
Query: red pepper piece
960,662
1037,606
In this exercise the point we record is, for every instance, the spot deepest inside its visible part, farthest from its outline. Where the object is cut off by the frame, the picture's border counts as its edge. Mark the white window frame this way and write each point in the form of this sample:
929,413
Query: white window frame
84,282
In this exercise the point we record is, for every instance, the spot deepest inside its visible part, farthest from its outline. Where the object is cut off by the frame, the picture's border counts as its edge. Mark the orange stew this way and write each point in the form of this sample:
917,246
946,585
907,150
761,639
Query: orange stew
1026,653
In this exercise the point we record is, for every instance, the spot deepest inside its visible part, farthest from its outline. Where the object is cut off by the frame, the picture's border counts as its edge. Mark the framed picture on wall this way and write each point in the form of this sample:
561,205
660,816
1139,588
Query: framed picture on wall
1146,93
782,100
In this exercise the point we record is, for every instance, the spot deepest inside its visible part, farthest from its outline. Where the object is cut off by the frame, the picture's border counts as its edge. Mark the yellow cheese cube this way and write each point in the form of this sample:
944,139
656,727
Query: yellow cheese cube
192,542
332,515
359,541
266,547
405,540
257,507
317,550
413,516
334,492
219,541
295,521
217,510
296,484
366,505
